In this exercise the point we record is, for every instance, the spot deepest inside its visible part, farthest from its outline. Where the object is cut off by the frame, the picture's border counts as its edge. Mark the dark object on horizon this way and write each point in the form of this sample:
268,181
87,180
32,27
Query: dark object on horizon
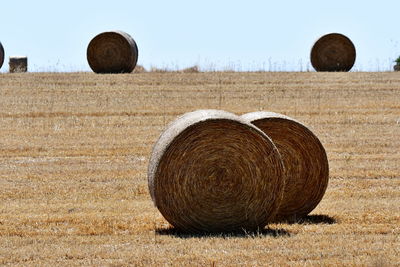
333,52
1,55
18,64
112,52
397,66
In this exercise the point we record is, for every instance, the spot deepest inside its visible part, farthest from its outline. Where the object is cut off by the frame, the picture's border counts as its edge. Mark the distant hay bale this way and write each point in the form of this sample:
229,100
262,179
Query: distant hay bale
1,55
18,64
193,69
139,69
112,52
333,52
305,161
159,70
210,171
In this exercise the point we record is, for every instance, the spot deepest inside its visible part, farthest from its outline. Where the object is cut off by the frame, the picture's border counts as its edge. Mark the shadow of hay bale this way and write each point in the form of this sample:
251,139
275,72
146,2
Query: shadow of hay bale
242,234
311,219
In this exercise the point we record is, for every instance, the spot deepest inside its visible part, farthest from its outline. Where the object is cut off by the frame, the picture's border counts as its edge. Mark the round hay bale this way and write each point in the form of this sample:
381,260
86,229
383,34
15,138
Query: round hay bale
1,55
210,171
305,162
333,52
112,52
18,64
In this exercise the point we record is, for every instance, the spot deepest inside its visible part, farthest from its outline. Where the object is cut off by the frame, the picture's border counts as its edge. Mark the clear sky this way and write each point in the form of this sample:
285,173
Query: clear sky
214,34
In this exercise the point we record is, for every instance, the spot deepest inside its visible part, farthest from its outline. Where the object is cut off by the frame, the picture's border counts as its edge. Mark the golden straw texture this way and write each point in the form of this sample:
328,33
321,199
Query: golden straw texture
18,64
210,171
112,52
1,55
333,52
305,161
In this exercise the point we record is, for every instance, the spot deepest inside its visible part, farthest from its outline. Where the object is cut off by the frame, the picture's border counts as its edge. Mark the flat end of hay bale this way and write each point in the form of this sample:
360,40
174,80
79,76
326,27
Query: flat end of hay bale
333,52
210,171
112,52
1,55
304,158
18,64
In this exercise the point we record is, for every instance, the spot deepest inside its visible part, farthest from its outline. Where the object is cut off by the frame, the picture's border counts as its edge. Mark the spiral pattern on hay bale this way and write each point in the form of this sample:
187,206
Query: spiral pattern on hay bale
210,171
333,52
112,52
18,64
1,55
305,162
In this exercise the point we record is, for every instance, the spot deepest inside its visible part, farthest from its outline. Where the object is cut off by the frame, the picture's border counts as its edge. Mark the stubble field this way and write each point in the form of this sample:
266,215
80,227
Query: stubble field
74,150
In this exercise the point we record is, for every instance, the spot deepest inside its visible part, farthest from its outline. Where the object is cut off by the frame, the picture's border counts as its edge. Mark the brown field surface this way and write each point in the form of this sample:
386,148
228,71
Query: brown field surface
74,151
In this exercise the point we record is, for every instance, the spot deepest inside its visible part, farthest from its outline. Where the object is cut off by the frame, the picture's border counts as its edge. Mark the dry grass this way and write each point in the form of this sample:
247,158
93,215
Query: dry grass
75,147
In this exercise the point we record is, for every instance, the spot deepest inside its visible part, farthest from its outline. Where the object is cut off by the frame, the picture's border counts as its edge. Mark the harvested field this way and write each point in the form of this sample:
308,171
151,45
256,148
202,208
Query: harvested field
75,147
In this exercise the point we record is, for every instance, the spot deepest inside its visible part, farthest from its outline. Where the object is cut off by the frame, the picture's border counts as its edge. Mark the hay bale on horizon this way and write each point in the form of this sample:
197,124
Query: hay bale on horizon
193,69
333,52
112,52
210,171
1,55
305,161
139,69
18,64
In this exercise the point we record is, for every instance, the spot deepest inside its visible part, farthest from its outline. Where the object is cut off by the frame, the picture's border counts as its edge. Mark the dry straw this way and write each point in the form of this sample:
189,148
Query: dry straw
305,161
1,55
112,52
333,52
210,171
18,64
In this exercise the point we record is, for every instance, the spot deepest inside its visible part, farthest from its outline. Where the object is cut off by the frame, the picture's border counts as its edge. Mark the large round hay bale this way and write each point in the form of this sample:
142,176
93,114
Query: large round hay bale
210,171
112,52
1,55
305,161
333,52
18,64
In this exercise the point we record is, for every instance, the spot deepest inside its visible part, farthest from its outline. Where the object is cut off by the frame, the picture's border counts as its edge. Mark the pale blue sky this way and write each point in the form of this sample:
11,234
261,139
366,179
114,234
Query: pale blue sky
242,35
